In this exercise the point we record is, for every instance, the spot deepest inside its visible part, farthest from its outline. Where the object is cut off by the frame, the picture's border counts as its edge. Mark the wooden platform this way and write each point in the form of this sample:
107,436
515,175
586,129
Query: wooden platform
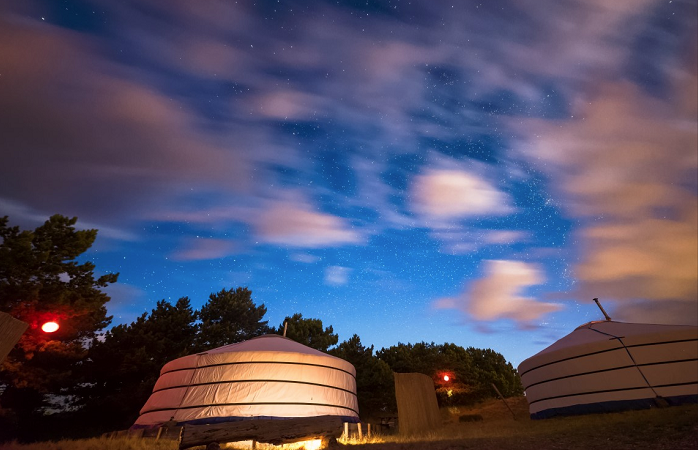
271,431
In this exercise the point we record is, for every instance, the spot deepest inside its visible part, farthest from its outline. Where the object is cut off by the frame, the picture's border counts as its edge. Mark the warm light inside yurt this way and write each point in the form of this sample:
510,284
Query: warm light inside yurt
266,377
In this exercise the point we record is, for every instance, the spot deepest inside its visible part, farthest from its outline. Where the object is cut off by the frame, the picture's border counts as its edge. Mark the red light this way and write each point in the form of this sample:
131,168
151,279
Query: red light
446,378
49,327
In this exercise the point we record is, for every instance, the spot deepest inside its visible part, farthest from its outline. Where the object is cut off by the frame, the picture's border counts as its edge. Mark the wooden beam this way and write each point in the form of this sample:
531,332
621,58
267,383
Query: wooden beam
271,431
11,331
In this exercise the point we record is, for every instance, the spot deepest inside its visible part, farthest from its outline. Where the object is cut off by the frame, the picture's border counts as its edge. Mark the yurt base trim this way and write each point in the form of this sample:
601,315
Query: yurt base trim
614,406
605,391
215,420
247,404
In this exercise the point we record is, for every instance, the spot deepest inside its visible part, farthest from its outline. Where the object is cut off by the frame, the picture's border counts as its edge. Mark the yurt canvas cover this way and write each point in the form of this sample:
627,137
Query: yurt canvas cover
611,366
266,377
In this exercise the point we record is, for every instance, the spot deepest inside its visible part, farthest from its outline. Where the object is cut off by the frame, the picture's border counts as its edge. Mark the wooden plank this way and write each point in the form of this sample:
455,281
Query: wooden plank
279,431
418,411
11,330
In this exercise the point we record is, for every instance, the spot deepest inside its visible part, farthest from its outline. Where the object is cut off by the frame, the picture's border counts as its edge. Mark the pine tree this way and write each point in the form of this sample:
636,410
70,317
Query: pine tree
40,281
124,366
374,378
228,317
309,332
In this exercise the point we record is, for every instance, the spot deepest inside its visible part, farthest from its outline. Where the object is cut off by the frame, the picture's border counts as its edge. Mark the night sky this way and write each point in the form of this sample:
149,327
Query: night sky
471,172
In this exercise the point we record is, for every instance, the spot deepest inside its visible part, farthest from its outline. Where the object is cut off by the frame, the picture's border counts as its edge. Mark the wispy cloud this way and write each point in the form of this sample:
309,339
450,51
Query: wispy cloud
304,258
296,225
202,249
498,294
337,275
90,133
452,194
460,241
627,168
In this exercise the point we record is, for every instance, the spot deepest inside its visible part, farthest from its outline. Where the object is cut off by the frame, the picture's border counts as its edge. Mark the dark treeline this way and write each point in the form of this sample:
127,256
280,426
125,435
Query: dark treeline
82,381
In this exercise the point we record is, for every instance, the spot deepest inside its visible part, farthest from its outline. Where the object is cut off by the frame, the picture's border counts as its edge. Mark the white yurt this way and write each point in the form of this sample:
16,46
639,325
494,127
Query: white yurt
611,366
266,377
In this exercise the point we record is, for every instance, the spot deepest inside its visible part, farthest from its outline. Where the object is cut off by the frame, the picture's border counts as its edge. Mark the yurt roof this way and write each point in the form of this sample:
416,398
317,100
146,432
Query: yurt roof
267,343
603,335
267,348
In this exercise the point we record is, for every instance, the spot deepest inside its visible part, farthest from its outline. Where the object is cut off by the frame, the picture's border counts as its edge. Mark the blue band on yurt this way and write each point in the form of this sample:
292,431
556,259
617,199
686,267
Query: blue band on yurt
248,404
612,406
214,420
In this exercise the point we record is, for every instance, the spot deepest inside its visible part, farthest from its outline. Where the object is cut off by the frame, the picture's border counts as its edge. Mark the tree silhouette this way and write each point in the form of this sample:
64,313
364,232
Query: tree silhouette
40,280
308,332
375,386
124,367
472,370
228,317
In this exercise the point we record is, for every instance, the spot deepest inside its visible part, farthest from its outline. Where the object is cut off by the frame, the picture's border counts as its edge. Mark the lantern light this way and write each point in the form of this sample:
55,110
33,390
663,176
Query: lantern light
49,327
446,378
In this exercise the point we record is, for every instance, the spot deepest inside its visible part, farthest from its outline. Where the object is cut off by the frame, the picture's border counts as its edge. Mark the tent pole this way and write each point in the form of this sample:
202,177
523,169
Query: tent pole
602,310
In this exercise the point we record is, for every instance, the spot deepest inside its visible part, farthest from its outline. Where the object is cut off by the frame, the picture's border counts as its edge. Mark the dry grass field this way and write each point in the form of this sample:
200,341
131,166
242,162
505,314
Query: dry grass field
657,429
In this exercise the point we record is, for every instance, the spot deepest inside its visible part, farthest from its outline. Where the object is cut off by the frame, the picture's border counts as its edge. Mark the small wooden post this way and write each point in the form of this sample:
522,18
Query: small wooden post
346,431
368,431
505,402
358,426
157,438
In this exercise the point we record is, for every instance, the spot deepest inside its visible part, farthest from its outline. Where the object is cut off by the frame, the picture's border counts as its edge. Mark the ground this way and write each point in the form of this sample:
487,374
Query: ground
673,428
657,429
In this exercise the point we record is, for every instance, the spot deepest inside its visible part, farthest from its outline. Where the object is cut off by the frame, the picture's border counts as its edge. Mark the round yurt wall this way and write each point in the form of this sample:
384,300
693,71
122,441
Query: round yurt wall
266,377
612,366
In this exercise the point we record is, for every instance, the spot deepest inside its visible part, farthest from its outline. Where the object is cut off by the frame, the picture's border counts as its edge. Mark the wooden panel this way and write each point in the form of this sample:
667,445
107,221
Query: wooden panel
279,431
418,410
11,330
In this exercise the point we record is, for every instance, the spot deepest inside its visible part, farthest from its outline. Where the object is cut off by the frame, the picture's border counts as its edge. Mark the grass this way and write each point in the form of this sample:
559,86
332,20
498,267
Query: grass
673,428
665,428
96,444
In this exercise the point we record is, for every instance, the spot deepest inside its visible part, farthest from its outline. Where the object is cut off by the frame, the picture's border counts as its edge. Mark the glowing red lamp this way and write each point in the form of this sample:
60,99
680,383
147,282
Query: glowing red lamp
446,378
50,327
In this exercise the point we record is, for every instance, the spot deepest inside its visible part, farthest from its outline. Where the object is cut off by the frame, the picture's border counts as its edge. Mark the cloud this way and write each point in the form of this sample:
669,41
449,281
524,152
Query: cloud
337,275
288,105
505,236
304,258
201,249
117,136
460,241
454,194
89,132
627,170
296,225
26,217
498,294
126,302
286,219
